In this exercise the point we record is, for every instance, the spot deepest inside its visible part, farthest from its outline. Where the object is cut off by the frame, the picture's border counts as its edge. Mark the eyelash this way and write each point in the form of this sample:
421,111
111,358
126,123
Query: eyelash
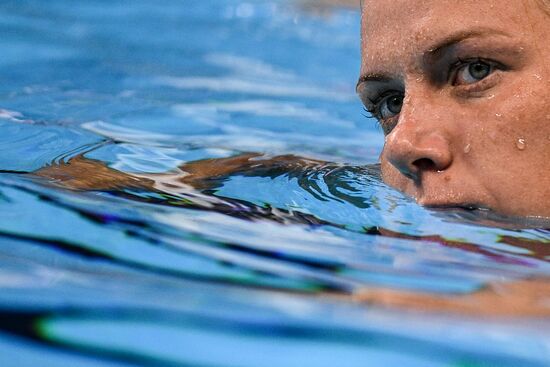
374,112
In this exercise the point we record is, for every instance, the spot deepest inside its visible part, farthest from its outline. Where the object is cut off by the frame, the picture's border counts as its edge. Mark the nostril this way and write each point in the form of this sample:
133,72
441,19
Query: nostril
425,164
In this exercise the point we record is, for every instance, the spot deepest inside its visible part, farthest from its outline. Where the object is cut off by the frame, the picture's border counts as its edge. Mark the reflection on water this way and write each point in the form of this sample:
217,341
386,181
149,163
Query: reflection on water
293,261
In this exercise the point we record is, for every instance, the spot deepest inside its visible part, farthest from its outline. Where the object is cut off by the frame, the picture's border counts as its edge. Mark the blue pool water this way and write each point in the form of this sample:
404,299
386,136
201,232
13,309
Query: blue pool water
260,268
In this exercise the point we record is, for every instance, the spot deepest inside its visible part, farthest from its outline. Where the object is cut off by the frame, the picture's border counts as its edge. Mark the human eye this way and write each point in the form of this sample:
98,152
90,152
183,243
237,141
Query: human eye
386,108
471,71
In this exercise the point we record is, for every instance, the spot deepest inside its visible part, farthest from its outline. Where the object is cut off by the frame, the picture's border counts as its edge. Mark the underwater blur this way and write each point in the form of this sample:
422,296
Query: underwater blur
315,264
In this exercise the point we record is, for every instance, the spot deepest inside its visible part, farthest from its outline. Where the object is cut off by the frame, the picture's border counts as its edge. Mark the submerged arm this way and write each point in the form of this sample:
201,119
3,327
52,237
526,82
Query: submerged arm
82,173
85,174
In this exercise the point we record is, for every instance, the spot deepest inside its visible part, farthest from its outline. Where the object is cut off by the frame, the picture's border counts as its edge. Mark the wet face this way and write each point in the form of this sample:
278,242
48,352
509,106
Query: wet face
462,92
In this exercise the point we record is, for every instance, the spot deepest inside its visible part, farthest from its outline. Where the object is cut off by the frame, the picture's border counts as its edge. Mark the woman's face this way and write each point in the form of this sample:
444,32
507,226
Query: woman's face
462,92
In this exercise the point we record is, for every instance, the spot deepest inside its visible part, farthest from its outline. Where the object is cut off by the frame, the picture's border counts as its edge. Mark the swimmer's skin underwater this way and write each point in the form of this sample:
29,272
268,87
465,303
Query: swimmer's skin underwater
462,92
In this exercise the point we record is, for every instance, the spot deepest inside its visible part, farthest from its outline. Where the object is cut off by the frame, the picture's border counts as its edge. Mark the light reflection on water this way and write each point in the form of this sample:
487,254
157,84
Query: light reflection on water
263,262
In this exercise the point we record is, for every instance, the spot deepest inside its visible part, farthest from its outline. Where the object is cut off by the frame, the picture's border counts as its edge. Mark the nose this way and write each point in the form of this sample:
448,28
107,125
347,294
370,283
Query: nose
416,148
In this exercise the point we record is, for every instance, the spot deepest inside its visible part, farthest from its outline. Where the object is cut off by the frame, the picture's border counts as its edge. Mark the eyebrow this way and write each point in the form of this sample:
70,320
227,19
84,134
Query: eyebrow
440,46
373,77
460,36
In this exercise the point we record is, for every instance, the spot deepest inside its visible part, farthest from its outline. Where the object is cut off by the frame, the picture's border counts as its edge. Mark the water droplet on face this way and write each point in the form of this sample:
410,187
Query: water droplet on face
520,144
467,148
498,115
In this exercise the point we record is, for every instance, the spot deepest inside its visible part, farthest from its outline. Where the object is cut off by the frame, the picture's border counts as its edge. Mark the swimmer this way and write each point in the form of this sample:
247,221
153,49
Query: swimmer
461,90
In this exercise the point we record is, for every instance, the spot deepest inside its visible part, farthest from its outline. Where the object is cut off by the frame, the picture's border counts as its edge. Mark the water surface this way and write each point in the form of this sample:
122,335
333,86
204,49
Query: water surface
260,268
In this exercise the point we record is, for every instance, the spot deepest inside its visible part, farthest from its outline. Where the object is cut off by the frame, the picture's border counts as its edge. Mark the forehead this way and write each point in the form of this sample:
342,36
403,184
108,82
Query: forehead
394,29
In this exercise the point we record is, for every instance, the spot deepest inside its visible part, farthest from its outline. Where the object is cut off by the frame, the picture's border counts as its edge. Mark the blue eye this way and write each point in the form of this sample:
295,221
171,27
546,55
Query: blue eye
390,106
385,108
472,72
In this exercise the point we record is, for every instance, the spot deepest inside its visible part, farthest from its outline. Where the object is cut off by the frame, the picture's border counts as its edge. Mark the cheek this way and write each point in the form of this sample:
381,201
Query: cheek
509,144
523,109
514,119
